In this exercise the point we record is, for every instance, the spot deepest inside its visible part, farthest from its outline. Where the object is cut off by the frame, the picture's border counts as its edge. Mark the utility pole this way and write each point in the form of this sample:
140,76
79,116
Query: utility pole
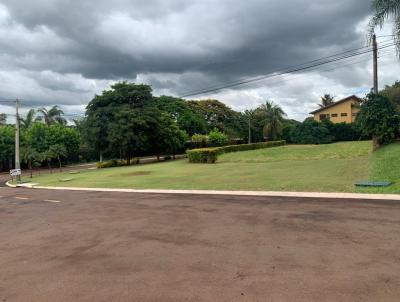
375,51
249,129
17,162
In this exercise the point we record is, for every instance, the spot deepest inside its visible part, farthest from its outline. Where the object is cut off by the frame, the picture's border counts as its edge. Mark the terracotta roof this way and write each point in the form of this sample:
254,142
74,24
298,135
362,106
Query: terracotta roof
338,102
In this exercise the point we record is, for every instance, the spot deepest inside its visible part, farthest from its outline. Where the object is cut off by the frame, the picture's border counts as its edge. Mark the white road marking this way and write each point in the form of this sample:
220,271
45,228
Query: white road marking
51,200
22,198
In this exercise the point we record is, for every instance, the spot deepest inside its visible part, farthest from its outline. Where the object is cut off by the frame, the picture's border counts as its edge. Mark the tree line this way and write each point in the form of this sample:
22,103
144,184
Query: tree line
127,121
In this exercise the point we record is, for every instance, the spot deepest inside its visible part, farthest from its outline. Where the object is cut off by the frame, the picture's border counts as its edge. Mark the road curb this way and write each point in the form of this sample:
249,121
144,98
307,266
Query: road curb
235,193
8,184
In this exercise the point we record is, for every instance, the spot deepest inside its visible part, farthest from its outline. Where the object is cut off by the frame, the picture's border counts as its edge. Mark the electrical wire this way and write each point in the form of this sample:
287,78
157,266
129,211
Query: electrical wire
288,70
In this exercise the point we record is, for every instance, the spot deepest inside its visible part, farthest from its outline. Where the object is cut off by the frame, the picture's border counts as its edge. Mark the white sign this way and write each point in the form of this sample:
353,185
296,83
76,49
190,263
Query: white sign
15,172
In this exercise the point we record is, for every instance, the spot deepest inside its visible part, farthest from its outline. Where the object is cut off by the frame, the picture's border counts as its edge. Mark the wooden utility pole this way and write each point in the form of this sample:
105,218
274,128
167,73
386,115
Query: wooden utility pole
375,51
17,156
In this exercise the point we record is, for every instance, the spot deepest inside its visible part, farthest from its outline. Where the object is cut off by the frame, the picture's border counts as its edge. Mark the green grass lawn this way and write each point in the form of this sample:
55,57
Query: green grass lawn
385,166
323,168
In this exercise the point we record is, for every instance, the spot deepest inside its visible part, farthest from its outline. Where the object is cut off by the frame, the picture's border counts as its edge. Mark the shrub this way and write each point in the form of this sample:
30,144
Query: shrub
204,156
217,139
310,132
378,118
343,131
199,140
210,155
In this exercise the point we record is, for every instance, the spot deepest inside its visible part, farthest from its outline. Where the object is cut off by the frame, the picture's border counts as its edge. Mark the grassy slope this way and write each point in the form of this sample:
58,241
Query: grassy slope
326,168
385,166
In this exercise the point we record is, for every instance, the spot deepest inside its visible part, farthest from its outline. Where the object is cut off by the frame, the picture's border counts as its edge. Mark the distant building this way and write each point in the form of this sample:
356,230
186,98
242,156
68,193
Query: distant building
341,111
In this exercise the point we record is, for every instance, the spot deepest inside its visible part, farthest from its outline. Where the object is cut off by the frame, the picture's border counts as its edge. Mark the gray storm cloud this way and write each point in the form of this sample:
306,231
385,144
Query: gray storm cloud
68,50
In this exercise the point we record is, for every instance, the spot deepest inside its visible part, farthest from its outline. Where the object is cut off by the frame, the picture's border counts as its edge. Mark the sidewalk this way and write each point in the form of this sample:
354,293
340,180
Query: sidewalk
232,193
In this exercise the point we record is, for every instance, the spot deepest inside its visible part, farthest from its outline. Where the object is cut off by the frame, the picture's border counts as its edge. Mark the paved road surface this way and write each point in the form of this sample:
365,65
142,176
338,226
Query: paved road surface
90,246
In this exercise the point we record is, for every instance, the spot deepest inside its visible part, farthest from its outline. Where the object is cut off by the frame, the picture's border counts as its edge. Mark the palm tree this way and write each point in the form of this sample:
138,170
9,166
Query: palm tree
326,100
48,156
29,155
384,10
273,116
52,116
29,119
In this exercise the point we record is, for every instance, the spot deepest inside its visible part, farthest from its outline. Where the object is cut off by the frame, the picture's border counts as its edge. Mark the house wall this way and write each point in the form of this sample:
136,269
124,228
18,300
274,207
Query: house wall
339,109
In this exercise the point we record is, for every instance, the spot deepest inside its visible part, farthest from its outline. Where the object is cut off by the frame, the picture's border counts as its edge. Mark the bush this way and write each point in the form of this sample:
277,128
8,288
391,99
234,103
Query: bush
310,132
378,118
204,156
116,163
199,141
343,131
210,155
217,138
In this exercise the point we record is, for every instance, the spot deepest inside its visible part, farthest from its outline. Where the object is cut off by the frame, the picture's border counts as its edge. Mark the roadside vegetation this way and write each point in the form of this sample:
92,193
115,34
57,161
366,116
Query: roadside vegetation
331,168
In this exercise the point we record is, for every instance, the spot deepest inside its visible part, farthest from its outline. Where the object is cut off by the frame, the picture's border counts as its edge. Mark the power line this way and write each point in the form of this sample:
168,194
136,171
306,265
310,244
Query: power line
359,50
293,69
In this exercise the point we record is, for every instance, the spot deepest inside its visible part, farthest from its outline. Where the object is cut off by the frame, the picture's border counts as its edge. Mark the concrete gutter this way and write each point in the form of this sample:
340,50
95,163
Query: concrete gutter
233,193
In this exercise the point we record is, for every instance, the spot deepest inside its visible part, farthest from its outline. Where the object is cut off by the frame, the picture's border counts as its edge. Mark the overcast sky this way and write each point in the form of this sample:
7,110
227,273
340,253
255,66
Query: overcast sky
63,52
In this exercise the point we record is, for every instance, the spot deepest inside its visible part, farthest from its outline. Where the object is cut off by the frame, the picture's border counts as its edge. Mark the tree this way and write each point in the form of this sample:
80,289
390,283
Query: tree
47,156
7,143
385,10
273,118
216,114
52,116
185,116
167,138
29,156
29,119
310,132
122,119
378,118
326,100
57,151
3,119
392,92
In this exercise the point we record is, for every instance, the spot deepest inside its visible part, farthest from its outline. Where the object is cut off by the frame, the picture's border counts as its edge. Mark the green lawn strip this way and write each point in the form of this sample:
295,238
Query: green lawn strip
301,152
287,169
385,166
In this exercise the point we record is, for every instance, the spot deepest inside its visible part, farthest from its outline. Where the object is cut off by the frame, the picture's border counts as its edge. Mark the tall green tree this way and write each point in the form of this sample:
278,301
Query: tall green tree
378,118
122,120
326,100
167,138
392,92
216,114
29,119
385,10
273,118
52,116
7,143
185,116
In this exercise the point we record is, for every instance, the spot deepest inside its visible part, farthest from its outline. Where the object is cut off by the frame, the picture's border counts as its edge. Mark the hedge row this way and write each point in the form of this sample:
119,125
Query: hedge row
210,155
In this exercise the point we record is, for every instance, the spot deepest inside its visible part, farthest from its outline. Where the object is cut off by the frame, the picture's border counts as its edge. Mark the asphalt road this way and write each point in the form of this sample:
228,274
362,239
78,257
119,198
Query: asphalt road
92,246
